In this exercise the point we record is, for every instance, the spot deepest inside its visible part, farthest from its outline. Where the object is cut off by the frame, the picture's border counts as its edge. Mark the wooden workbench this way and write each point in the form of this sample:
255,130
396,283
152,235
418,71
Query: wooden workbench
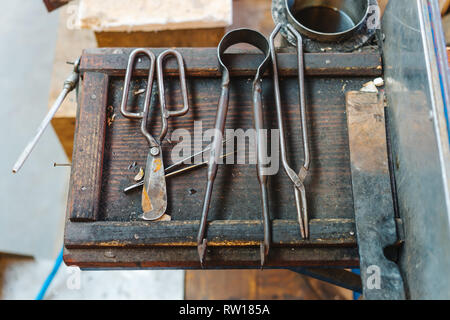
103,228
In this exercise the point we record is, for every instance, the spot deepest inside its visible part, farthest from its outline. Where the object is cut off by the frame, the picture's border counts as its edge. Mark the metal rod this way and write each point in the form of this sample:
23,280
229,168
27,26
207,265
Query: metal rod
297,179
176,164
174,173
69,85
62,164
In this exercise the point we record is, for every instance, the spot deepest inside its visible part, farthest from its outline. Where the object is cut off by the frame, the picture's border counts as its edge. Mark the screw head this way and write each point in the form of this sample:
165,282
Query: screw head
154,151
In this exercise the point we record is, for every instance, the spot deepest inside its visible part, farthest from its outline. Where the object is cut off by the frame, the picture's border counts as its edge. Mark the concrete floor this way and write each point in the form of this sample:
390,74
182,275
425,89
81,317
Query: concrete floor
21,278
32,202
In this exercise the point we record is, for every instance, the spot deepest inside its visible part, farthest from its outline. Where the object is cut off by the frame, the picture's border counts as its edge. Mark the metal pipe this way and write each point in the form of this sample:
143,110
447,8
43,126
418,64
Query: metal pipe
69,84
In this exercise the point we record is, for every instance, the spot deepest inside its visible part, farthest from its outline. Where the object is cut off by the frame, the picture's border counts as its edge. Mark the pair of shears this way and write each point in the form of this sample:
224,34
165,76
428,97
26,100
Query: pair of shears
154,193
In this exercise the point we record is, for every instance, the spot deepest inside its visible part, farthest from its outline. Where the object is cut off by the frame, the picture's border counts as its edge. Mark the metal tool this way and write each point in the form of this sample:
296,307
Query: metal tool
168,170
69,84
154,194
259,41
170,173
297,180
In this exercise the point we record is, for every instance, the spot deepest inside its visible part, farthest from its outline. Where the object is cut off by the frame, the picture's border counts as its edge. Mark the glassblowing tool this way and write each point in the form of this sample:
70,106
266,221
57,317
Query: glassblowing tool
154,193
256,39
297,180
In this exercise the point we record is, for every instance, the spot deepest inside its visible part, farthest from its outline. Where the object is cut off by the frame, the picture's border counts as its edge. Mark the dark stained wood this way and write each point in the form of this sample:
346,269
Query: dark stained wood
236,193
224,232
202,62
217,257
372,191
120,239
87,163
258,285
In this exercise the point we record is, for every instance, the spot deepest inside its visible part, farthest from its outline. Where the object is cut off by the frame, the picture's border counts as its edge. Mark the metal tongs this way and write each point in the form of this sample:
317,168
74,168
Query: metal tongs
154,193
297,180
256,39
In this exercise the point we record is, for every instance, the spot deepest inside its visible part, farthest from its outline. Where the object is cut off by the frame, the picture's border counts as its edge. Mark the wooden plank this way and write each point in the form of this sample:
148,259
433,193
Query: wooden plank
220,233
203,62
86,175
217,257
258,285
168,38
236,190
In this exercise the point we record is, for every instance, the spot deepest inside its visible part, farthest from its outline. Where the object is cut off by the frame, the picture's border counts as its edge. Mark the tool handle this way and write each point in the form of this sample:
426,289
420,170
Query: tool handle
165,112
214,159
219,127
127,81
69,84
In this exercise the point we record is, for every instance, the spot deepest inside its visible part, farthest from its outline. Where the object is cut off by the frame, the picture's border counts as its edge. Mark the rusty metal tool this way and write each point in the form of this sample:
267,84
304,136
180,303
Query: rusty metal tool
69,84
168,171
297,179
256,39
154,193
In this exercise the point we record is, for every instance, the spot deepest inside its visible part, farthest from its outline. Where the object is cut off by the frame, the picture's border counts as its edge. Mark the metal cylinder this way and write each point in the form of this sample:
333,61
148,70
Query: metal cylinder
327,20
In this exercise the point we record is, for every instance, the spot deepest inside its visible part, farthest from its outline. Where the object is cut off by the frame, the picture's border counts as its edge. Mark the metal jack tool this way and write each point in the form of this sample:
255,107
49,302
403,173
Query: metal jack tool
259,41
297,180
69,84
154,193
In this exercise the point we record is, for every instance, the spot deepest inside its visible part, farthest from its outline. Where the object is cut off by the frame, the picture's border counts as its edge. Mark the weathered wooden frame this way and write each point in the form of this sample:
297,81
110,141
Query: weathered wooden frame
232,243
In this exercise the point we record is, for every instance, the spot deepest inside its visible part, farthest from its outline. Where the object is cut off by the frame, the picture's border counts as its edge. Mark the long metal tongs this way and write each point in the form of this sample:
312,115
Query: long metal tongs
256,39
297,180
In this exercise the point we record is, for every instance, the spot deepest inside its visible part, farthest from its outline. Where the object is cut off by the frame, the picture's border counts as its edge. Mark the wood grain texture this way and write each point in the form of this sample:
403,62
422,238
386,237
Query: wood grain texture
258,285
217,257
87,165
120,239
202,62
336,232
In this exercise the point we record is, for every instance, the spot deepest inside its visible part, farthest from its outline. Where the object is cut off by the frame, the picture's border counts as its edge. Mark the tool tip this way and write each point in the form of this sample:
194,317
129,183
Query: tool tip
264,252
201,248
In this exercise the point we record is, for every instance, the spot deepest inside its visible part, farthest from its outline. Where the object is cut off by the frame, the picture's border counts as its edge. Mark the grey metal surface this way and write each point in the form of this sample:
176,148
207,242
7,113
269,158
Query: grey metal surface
360,36
372,196
420,142
342,18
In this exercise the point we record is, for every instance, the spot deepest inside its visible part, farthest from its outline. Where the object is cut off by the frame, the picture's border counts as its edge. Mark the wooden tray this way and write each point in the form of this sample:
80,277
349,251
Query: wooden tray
103,228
